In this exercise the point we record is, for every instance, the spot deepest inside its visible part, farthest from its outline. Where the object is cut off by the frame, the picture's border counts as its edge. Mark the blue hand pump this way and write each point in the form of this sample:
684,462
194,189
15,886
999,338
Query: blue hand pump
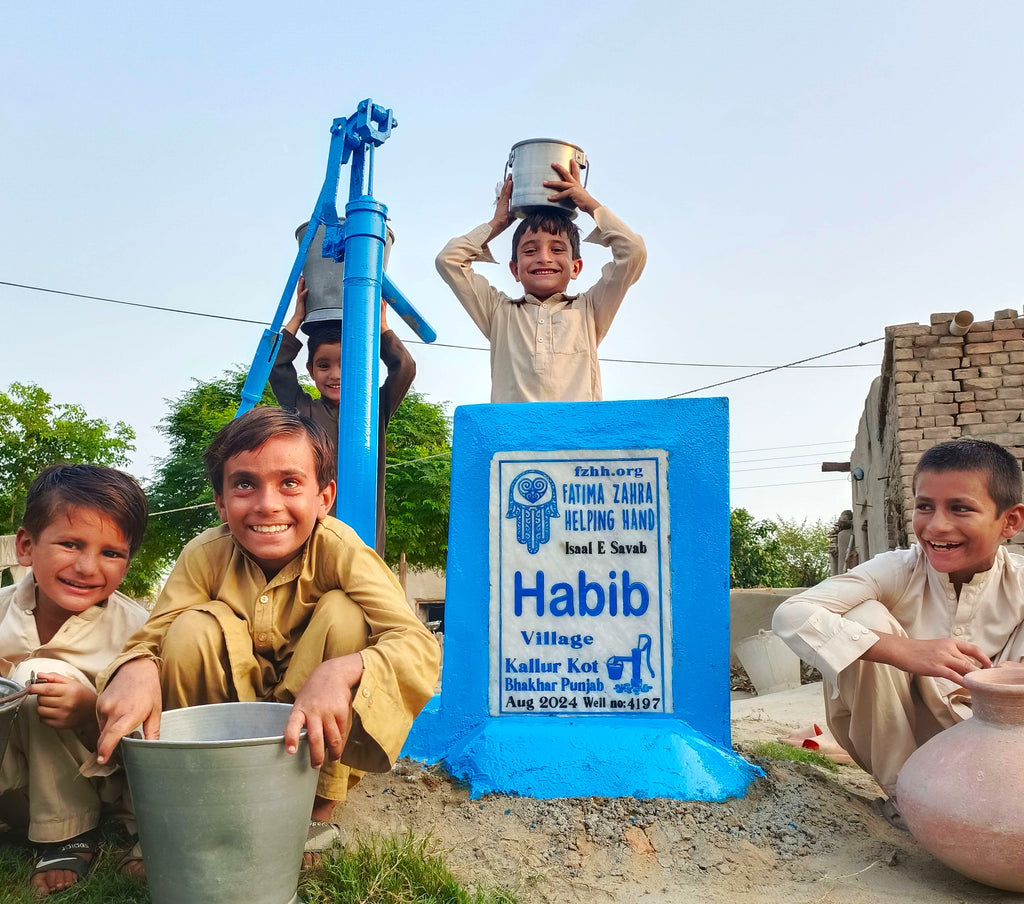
359,241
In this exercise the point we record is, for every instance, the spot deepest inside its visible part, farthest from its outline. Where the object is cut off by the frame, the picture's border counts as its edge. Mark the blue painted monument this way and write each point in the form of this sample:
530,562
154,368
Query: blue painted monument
587,601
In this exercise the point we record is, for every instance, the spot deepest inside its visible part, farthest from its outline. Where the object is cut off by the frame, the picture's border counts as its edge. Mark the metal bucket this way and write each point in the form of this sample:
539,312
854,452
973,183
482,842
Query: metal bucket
530,162
8,712
223,810
325,278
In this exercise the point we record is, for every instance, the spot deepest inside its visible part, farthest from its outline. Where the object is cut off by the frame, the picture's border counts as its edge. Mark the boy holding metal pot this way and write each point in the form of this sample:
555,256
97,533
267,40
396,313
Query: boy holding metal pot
544,344
280,603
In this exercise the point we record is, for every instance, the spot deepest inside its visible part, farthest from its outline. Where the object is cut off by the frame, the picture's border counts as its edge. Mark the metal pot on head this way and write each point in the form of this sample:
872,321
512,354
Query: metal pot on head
325,278
530,162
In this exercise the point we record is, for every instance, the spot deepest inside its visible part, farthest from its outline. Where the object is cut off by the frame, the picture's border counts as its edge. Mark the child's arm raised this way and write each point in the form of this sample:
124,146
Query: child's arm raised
502,218
299,314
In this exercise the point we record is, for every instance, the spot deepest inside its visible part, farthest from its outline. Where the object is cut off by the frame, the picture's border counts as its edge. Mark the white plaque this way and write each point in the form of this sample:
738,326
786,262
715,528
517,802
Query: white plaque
581,613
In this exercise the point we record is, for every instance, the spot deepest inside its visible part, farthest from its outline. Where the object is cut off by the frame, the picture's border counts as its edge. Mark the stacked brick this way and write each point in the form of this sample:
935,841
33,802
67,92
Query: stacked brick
943,387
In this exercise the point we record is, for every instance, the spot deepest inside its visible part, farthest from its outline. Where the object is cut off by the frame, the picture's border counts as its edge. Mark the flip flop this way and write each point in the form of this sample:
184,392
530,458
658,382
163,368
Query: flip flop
829,747
77,855
887,808
321,837
797,738
132,856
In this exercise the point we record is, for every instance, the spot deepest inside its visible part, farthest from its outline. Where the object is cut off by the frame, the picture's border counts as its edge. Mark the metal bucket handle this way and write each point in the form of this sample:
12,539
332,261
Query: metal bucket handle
578,154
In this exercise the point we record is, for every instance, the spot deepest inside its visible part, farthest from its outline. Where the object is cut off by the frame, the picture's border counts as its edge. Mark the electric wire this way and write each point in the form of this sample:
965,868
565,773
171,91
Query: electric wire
474,348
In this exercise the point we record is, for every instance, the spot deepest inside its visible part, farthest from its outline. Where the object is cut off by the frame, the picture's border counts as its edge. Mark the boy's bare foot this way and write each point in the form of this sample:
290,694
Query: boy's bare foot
61,864
131,863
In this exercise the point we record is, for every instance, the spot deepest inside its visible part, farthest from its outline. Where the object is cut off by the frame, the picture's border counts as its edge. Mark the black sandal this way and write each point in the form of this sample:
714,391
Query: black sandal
76,855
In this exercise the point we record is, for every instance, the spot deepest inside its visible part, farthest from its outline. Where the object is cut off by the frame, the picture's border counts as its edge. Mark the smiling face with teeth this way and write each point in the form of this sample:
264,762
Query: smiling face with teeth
544,263
271,501
77,560
958,523
325,369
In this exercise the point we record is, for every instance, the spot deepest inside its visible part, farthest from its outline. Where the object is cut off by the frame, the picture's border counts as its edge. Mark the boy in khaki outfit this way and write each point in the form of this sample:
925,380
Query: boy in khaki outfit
59,627
280,603
894,637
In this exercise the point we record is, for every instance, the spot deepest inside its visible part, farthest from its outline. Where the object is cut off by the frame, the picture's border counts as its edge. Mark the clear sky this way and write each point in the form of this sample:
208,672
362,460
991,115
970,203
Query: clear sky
803,174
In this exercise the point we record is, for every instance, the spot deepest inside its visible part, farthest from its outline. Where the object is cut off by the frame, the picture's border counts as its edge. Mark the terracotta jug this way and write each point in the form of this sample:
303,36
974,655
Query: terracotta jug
962,793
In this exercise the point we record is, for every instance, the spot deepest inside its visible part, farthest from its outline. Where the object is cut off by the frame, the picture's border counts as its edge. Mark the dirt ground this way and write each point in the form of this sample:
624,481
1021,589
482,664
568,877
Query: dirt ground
801,835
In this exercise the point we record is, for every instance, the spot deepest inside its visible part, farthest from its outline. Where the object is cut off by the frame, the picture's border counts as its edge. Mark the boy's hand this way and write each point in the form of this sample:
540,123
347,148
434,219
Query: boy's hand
301,293
503,210
568,185
131,698
940,658
324,708
63,702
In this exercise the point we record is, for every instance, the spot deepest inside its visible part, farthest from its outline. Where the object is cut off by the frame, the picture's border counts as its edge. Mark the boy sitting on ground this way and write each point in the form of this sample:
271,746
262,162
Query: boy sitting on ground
894,636
544,344
324,366
59,627
280,603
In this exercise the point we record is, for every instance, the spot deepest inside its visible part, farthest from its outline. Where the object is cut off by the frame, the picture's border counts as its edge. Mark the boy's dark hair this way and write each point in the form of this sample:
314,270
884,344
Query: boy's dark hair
254,428
322,335
1000,467
111,493
553,222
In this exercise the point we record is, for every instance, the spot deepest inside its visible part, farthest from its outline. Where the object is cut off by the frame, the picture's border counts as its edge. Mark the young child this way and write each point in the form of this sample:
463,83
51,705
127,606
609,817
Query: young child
63,623
324,366
894,636
544,345
281,602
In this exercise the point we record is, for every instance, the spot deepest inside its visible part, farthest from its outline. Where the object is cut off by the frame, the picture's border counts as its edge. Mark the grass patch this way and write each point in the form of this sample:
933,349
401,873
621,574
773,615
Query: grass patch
394,870
381,870
773,750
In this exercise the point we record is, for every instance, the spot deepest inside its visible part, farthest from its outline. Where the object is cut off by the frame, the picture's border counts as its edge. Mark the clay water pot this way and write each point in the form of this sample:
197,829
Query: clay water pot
962,793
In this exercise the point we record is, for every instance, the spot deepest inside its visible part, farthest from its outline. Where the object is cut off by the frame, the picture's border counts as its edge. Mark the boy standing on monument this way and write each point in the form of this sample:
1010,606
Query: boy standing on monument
280,603
544,344
894,636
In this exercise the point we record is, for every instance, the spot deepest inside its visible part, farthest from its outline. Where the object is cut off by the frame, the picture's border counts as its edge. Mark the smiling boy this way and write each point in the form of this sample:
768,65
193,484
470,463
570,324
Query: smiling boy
280,603
63,623
544,344
894,636
324,366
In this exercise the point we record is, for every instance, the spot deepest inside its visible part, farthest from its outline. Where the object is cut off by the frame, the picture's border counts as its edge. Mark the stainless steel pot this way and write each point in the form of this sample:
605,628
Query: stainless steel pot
325,278
223,810
530,162
8,712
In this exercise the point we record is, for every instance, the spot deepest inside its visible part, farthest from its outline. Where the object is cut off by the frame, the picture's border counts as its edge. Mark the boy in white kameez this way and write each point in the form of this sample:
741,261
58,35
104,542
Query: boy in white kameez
63,623
894,637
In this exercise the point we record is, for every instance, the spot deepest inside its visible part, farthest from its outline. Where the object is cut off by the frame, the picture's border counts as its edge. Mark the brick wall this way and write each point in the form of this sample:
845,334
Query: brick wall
936,387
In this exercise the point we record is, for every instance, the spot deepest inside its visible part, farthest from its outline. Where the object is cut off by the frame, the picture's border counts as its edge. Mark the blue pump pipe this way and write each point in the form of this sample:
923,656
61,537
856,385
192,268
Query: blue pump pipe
360,241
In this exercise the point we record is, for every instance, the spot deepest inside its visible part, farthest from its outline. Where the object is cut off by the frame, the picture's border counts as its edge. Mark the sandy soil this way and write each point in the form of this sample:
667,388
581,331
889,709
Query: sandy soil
802,835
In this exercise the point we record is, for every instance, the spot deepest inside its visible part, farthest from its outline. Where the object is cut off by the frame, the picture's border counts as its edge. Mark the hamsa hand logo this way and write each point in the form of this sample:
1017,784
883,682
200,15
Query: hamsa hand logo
532,502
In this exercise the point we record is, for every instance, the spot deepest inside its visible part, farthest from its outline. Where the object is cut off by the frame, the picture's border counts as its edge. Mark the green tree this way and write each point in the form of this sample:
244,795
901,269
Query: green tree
419,468
755,553
36,432
180,496
804,548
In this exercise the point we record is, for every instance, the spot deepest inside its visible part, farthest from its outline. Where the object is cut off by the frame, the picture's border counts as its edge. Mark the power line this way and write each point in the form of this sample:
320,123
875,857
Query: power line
777,367
797,446
472,348
797,483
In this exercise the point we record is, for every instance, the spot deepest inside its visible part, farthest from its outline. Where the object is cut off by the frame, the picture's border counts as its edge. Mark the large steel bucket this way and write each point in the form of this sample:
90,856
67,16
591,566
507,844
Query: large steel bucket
8,712
325,278
530,162
223,810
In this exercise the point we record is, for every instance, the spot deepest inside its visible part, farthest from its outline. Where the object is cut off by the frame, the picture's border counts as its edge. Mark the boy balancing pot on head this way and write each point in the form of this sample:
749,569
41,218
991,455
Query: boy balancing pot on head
894,636
544,344
280,603
63,623
324,366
